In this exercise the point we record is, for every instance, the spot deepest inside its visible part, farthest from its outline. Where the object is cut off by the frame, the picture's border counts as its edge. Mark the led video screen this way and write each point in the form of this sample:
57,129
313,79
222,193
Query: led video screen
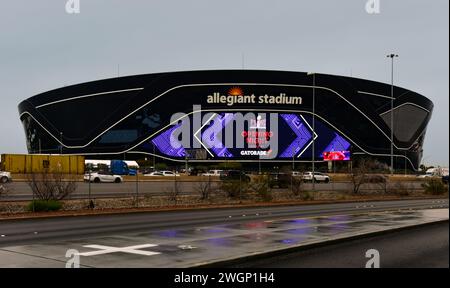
266,135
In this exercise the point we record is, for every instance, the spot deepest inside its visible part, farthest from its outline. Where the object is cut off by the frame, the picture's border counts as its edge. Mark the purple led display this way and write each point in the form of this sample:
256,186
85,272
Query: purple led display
304,135
164,143
338,144
213,142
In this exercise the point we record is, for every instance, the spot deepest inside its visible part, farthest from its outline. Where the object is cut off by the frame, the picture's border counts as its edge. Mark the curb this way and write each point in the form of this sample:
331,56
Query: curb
84,213
276,252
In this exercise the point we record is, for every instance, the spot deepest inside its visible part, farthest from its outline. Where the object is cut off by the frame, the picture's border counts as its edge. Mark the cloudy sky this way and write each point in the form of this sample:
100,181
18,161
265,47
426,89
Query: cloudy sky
42,47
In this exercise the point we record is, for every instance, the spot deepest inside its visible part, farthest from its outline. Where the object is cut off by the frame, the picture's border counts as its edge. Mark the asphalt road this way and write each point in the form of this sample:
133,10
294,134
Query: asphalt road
34,231
21,190
421,247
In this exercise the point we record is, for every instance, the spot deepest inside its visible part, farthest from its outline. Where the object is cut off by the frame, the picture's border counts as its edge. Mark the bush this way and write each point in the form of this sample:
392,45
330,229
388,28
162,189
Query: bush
203,188
260,185
435,187
44,205
306,196
52,185
234,188
297,185
400,189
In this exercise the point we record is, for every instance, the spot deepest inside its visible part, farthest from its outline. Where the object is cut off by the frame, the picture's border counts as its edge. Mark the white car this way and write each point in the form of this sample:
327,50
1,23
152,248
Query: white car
5,177
169,173
103,177
215,173
318,177
162,174
155,174
428,175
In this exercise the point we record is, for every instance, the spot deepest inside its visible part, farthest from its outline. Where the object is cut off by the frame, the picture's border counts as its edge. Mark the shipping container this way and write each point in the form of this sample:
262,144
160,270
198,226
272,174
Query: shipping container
38,163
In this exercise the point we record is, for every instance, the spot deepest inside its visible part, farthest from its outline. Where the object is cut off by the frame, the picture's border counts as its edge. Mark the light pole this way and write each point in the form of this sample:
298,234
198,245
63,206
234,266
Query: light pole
154,159
60,140
392,56
313,128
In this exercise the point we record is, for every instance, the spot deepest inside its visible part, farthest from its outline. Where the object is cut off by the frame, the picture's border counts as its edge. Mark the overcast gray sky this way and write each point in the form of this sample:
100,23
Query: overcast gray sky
43,48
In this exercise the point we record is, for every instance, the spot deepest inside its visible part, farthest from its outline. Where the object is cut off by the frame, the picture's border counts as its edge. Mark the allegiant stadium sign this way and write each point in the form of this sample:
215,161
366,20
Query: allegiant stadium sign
230,100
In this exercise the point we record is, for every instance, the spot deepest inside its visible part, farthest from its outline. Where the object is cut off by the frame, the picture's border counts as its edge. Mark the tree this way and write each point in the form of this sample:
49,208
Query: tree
204,188
361,174
51,185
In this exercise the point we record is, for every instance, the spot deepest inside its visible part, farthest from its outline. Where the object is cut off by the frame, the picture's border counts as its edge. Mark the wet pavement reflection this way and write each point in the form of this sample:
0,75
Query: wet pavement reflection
187,247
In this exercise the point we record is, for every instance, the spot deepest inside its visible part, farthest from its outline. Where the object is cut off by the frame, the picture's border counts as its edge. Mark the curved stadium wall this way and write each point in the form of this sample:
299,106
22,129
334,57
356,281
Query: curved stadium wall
132,115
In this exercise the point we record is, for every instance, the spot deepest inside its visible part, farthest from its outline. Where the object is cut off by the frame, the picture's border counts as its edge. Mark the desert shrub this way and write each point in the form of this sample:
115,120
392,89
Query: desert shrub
174,191
234,188
297,185
52,185
260,185
44,206
400,189
306,195
203,188
435,187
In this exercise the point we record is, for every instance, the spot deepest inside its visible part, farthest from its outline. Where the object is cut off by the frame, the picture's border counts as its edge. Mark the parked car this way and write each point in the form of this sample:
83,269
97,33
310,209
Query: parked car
5,177
155,174
280,180
318,177
163,174
170,174
103,177
215,173
297,174
234,175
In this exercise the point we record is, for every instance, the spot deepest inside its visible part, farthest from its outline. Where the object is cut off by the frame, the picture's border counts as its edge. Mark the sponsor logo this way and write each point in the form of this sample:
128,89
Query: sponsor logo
237,96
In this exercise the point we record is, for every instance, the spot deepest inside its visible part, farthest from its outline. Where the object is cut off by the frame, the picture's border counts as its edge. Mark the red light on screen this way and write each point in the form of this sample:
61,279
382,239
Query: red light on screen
336,156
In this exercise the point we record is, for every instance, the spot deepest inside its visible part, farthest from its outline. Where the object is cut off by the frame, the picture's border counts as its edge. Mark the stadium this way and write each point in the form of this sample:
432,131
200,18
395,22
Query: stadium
275,116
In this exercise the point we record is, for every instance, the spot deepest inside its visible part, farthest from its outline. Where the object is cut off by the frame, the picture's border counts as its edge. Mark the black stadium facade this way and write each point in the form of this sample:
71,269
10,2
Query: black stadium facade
132,117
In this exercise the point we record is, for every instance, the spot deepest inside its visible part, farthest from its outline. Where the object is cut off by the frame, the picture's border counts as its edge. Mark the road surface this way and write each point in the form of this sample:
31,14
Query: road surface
195,238
24,231
422,247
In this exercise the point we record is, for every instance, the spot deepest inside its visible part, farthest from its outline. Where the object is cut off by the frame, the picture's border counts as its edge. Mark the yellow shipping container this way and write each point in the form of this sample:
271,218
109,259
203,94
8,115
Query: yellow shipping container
37,163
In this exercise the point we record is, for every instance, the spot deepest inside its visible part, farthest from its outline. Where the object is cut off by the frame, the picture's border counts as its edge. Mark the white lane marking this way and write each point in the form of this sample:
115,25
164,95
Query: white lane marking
130,249
186,247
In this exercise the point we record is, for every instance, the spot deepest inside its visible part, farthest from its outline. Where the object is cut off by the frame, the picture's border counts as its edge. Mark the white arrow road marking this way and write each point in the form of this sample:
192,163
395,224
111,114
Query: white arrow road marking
129,249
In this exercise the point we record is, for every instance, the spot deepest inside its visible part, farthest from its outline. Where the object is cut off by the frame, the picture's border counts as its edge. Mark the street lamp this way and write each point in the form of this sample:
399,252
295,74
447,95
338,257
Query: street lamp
60,140
392,56
313,127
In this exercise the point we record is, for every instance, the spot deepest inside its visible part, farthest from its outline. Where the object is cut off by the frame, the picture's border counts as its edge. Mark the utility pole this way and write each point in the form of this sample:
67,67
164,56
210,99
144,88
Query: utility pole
314,129
392,56
61,143
137,187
